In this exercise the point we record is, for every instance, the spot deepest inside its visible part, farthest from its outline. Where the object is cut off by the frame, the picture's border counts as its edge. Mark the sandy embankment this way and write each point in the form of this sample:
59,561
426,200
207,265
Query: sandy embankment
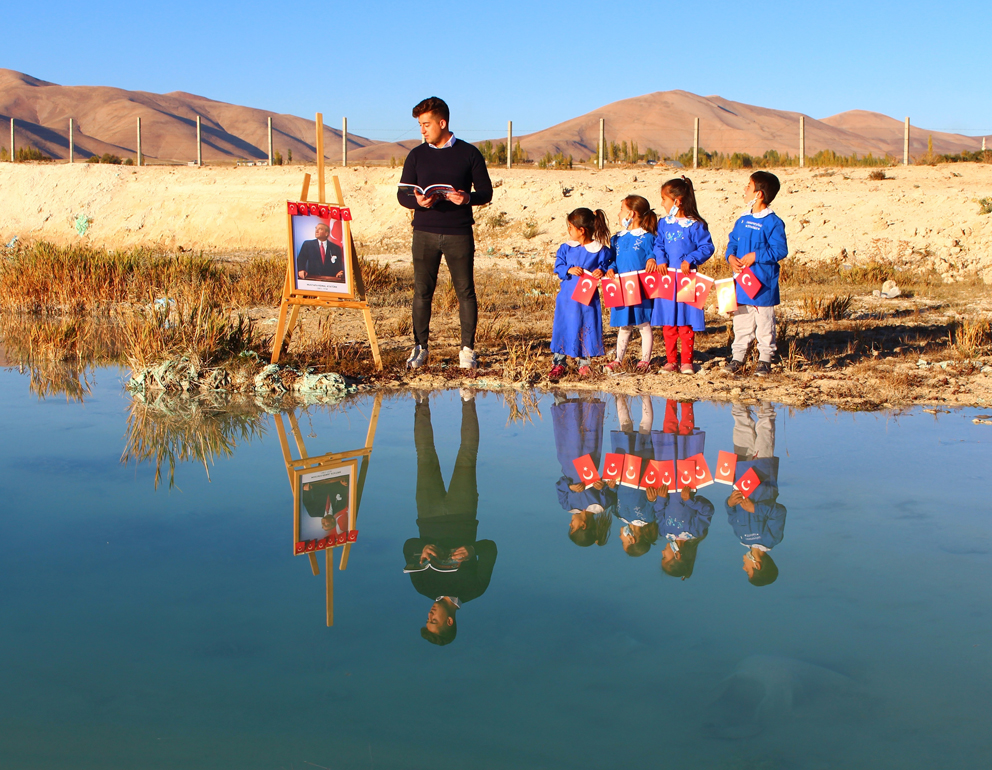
925,216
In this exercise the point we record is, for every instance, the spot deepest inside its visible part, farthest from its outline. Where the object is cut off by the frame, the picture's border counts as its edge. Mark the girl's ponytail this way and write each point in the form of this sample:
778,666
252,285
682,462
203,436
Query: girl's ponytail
647,219
601,230
682,190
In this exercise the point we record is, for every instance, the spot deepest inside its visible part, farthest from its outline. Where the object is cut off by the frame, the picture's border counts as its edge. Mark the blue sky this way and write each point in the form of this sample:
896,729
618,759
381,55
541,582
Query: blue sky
535,63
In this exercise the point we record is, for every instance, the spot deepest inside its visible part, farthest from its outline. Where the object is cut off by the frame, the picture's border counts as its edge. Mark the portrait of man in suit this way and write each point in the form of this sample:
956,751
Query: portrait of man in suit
321,259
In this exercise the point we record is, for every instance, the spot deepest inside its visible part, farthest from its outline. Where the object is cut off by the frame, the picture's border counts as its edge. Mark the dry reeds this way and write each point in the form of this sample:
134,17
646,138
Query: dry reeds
826,308
973,336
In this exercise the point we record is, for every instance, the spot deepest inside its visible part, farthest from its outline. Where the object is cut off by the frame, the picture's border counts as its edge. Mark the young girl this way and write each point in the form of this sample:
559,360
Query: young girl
632,248
683,243
578,328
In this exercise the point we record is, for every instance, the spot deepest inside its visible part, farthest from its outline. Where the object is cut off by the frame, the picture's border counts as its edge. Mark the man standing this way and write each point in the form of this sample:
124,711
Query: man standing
442,224
320,259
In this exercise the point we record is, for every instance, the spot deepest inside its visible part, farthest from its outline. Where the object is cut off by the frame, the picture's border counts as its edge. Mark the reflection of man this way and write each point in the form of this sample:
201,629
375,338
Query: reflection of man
442,224
328,500
447,523
321,259
759,521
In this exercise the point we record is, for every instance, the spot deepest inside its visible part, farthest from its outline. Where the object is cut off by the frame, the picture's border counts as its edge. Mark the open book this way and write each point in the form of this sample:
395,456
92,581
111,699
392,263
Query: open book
427,192
438,565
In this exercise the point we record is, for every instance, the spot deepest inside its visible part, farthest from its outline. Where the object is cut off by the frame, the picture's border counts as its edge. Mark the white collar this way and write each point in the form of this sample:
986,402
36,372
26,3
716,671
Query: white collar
635,231
682,221
593,508
763,213
592,247
756,545
451,141
453,599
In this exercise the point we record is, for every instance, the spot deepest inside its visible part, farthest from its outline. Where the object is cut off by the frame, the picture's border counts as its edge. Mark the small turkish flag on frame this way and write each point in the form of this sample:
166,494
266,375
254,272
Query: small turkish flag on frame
726,467
631,471
585,288
703,476
352,535
631,288
747,483
586,468
612,292
748,281
613,467
687,288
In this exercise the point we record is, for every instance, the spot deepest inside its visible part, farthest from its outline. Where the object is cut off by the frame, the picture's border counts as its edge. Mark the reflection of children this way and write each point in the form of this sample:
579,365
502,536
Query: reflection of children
759,521
758,242
684,522
683,243
447,524
632,247
640,529
578,329
578,427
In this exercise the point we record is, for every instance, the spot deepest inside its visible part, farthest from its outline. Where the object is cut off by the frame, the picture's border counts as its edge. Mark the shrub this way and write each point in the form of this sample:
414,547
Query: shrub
276,158
877,175
985,205
30,153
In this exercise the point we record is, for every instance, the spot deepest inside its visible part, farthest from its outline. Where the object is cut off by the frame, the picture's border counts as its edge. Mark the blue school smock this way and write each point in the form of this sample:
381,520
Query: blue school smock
669,446
765,527
677,517
578,428
680,240
578,328
631,251
764,234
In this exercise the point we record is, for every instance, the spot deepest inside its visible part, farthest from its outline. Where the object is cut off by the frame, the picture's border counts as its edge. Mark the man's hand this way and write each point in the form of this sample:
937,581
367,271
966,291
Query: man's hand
339,274
463,553
459,197
424,201
575,271
302,274
429,552
686,267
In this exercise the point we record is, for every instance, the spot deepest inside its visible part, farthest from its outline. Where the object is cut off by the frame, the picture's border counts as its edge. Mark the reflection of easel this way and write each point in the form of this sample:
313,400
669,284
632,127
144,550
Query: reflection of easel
284,331
294,466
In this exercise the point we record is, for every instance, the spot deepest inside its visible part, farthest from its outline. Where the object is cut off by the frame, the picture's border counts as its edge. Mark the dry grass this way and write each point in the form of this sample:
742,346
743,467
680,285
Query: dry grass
826,308
973,337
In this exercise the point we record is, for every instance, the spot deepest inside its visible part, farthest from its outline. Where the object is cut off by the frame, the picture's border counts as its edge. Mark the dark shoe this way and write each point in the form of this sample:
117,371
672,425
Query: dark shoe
763,369
734,366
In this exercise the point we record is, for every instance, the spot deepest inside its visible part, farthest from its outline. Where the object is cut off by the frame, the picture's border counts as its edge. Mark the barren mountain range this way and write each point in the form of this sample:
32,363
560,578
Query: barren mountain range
105,121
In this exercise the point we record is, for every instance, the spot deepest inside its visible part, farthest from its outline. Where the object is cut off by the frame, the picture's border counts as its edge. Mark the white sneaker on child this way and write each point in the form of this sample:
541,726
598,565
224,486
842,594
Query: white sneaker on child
466,359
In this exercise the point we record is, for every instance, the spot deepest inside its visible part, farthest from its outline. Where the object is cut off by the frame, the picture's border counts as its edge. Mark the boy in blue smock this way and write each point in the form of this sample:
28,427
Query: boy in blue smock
683,521
639,529
757,242
758,521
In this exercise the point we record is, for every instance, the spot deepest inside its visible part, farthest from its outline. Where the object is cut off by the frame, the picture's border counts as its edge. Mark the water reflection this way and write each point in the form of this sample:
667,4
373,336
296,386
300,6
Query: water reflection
446,561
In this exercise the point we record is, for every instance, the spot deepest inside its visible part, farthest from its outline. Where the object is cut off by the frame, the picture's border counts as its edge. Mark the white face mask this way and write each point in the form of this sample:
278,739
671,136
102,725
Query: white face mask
674,211
626,223
750,203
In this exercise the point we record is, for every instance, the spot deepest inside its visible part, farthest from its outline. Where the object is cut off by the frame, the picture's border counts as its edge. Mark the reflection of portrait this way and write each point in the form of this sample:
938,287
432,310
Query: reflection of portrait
447,564
319,263
326,499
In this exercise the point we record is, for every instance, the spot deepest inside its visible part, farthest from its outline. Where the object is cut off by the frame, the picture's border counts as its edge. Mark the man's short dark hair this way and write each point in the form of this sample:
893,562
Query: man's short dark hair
446,635
435,105
767,184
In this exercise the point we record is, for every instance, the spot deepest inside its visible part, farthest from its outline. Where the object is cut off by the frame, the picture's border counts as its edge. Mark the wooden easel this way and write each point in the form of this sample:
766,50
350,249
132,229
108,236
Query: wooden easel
284,331
307,461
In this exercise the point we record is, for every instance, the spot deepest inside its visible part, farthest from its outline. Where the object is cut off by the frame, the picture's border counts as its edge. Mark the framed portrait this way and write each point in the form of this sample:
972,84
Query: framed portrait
325,497
320,250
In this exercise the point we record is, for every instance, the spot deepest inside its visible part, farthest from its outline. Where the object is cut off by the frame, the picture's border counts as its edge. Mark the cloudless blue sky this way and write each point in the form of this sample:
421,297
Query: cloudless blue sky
537,63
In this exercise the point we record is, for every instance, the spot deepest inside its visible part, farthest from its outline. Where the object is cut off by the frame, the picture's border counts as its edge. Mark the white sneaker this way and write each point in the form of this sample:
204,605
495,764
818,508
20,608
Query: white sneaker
418,357
466,359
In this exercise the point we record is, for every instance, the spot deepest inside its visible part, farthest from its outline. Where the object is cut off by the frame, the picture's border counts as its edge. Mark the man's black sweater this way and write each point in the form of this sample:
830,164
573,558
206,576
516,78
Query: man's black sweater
463,167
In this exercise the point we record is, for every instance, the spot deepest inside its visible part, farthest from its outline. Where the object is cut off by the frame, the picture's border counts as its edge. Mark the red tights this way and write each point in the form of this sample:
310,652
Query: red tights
673,334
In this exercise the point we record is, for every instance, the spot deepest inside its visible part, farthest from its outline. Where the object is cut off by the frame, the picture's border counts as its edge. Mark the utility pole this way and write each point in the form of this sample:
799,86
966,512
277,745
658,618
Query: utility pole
270,141
344,141
139,142
905,144
199,145
72,147
602,141
695,144
509,144
802,141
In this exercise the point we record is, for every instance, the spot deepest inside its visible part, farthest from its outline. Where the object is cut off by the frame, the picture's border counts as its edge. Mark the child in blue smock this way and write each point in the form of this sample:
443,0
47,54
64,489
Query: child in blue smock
683,243
634,510
578,427
578,329
632,247
683,522
758,242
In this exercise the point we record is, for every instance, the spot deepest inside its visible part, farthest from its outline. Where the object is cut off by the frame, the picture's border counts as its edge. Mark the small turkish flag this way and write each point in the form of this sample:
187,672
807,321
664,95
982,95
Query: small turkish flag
687,475
314,209
311,545
631,288
726,296
291,207
687,288
346,215
335,212
669,281
613,467
651,476
612,292
585,289
703,476
748,281
726,466
586,469
352,535
651,284
342,538
703,286
322,544
301,547
747,483
323,212
631,471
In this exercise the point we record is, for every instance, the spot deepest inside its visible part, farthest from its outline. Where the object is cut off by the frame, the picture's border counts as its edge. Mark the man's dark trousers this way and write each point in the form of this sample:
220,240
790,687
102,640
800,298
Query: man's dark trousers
459,253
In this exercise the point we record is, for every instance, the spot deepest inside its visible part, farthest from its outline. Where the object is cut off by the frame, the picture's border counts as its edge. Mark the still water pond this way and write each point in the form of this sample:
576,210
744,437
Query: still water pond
176,627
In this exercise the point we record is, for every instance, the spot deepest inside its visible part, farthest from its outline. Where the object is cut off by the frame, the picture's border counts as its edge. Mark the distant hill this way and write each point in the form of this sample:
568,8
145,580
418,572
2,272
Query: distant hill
104,121
664,121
